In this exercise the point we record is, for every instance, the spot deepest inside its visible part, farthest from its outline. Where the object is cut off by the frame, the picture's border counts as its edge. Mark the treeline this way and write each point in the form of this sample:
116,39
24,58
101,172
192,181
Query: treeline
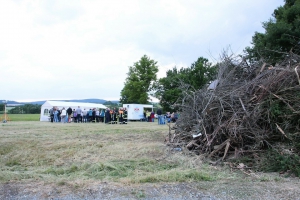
24,109
142,82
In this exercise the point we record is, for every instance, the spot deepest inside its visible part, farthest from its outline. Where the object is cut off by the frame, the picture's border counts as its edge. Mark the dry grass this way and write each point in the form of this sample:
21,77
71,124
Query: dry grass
54,161
60,153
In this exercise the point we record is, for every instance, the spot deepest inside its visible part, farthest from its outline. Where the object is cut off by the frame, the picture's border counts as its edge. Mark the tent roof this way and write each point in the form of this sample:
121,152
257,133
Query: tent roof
73,104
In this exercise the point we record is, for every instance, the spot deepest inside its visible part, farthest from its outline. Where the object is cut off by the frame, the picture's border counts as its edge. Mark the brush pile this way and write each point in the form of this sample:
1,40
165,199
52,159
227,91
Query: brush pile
247,109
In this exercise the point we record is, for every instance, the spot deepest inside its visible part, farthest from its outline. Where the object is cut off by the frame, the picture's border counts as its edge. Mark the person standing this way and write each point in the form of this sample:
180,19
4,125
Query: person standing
89,115
172,117
84,113
63,115
94,115
55,115
152,116
58,114
107,116
148,115
51,112
78,111
168,117
102,114
145,118
159,116
97,115
125,116
121,116
69,112
111,112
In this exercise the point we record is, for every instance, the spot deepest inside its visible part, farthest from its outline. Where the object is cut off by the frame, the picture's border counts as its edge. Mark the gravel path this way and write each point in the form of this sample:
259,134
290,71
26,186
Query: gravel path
284,189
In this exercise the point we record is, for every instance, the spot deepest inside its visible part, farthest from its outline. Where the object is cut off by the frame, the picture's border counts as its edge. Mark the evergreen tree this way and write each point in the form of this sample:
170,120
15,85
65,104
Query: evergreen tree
282,34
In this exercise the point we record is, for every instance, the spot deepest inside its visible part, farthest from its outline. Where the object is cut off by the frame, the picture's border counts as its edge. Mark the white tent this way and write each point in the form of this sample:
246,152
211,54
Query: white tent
60,104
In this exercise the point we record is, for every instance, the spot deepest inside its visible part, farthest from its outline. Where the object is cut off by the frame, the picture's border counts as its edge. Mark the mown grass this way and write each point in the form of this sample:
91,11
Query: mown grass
24,117
58,153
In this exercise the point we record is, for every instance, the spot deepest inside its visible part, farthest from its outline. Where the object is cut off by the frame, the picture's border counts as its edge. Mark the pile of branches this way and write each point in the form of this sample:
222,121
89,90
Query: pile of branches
251,108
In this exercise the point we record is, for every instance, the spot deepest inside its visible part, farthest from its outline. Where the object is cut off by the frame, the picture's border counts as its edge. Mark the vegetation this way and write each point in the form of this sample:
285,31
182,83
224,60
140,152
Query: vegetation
67,161
255,107
193,78
139,81
26,109
280,162
111,104
281,35
24,117
66,153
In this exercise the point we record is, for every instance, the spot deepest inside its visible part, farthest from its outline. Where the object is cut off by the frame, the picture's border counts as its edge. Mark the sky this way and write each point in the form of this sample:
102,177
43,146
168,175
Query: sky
79,49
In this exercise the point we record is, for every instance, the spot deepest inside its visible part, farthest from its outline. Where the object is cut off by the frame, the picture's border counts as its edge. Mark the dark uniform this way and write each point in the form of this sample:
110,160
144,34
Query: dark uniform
107,117
51,112
112,120
125,116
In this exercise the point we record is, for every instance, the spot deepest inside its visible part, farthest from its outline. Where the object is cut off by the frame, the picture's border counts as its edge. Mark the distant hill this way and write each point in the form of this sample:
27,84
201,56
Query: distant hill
33,102
87,100
101,101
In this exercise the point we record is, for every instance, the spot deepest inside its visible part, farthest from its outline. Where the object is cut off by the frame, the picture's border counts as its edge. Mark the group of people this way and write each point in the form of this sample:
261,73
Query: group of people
161,118
109,116
115,116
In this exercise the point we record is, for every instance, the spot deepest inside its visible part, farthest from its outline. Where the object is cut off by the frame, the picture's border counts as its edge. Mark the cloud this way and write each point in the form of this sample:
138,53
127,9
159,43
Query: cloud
82,49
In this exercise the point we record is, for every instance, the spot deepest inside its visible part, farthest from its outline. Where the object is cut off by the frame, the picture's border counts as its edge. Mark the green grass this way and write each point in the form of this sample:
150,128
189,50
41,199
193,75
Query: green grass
24,117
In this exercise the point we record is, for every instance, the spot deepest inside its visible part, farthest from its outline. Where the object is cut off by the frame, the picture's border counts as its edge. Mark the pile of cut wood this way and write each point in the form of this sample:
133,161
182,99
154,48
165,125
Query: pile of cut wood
247,109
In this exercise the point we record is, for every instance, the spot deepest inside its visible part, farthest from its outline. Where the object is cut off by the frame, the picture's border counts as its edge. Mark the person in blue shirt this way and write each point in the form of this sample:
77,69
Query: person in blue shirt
90,115
102,114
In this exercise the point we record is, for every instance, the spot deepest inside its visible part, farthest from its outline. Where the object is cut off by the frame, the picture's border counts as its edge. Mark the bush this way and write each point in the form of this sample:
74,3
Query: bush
274,161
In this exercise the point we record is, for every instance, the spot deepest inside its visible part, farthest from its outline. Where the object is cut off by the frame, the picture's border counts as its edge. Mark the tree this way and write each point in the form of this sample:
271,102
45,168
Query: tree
1,107
110,104
168,89
282,34
139,81
26,109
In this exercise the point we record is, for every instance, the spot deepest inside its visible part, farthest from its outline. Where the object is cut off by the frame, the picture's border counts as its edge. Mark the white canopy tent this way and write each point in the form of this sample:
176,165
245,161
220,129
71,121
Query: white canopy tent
60,104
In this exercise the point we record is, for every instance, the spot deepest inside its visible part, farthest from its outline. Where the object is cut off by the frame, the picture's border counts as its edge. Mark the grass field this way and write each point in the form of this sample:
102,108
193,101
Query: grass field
55,152
57,159
24,117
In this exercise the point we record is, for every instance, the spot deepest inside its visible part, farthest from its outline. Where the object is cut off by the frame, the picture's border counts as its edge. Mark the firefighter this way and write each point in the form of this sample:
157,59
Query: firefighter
116,113
112,116
107,116
121,116
125,116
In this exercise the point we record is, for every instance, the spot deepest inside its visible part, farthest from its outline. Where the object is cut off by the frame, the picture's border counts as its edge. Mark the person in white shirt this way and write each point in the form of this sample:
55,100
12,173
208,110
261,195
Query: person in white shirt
97,115
63,115
78,111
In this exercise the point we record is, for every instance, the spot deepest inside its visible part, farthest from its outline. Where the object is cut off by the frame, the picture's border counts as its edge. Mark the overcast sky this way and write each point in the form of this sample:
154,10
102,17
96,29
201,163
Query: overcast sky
82,49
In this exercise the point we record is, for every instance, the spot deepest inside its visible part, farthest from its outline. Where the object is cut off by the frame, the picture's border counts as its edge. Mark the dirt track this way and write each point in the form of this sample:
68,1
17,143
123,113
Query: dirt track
287,188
